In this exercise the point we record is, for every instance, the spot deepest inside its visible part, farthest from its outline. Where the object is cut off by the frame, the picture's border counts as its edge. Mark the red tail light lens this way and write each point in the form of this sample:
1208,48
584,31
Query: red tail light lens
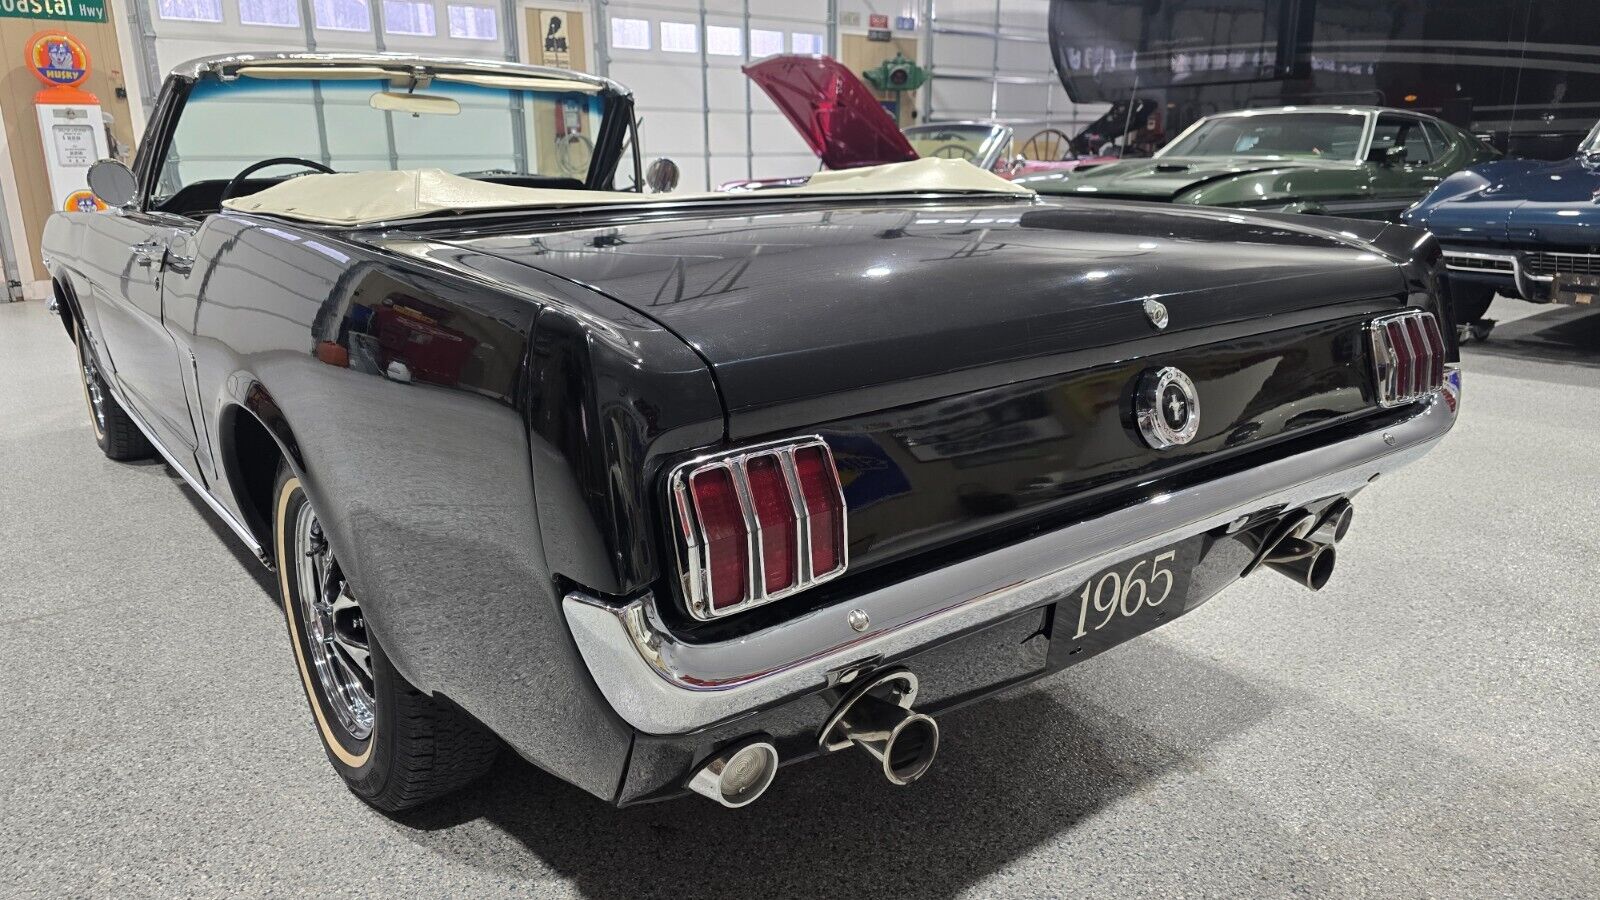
780,551
716,504
824,507
757,525
1408,357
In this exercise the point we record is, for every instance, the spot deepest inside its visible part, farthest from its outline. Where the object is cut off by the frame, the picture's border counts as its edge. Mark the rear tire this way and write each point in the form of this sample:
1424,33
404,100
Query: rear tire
114,433
1471,300
394,746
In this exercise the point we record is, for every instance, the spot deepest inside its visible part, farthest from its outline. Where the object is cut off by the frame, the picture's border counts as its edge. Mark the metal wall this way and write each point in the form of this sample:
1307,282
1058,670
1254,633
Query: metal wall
990,59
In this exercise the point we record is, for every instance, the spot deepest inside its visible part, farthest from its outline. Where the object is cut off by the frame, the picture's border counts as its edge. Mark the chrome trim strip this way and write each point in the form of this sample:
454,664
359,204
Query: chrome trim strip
1518,274
216,506
223,62
661,685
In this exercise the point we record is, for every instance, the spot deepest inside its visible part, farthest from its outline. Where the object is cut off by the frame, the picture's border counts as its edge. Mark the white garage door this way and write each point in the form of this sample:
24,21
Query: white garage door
681,57
990,59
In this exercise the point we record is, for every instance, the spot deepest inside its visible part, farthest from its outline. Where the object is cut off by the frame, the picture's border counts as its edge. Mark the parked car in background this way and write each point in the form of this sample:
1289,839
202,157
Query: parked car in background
847,127
1360,162
663,491
1523,228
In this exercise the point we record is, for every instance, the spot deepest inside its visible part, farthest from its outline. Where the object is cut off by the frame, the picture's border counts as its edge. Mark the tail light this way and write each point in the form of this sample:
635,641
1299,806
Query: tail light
757,525
1408,356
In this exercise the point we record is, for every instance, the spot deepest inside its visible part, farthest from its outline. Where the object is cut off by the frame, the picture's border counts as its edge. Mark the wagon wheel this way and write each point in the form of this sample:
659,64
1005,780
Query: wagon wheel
1049,145
573,152
955,151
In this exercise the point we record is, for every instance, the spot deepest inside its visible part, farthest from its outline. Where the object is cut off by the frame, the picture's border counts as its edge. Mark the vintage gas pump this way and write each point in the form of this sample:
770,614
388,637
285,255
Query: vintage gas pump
573,147
70,122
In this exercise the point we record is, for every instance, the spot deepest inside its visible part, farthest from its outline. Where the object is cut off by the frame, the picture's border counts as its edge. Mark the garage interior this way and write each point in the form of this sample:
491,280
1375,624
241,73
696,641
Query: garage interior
1423,727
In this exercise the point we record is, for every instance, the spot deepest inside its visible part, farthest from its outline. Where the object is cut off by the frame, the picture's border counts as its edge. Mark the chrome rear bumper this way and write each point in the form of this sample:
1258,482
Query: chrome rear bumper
661,685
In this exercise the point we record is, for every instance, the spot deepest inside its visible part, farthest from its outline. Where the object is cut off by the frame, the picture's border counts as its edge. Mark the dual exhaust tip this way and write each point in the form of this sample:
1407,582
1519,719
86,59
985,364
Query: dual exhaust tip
1301,547
875,715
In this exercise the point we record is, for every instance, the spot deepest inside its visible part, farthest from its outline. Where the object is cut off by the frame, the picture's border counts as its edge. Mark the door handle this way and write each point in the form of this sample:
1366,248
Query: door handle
148,253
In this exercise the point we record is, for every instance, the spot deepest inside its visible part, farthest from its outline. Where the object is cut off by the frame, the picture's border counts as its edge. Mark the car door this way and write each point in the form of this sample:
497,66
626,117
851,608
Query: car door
128,251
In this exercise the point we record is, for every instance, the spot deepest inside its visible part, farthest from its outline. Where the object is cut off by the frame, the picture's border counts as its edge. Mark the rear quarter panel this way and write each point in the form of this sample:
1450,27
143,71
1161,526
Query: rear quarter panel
422,474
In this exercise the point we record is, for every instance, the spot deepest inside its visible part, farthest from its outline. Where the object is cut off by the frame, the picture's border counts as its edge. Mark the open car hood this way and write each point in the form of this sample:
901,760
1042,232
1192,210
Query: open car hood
834,112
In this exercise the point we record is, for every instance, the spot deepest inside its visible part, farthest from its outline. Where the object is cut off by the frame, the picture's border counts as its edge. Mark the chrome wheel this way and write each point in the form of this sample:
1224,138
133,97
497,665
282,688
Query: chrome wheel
97,394
335,630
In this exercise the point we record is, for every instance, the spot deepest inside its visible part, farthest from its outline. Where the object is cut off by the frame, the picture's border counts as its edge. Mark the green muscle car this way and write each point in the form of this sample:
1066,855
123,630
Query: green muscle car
1362,162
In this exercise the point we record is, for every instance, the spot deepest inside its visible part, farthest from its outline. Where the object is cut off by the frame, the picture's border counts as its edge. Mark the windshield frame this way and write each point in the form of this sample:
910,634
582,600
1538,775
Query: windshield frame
1363,147
616,124
999,136
1591,142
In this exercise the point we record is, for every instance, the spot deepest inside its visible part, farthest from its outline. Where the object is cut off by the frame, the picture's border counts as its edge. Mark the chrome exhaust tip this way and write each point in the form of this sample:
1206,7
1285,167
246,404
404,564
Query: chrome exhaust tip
1266,540
1307,563
1335,523
738,775
876,716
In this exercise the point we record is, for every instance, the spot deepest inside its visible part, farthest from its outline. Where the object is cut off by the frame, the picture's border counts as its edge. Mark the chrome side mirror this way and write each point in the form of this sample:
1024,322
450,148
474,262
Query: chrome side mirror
113,183
662,175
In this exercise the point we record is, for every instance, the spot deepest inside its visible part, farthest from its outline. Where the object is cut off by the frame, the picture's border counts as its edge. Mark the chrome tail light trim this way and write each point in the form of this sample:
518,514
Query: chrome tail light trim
694,559
1407,357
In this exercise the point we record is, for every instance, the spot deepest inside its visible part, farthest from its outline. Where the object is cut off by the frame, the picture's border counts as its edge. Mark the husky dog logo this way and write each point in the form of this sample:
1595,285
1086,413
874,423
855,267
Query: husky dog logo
60,55
58,59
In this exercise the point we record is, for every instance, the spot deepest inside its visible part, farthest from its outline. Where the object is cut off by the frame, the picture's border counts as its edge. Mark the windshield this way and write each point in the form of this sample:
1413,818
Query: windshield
536,138
969,142
1306,135
1591,144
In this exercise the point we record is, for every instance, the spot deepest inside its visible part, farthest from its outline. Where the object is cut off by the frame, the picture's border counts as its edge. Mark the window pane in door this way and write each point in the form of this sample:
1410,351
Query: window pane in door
409,17
805,42
630,34
765,43
721,40
276,13
679,37
342,15
474,23
190,10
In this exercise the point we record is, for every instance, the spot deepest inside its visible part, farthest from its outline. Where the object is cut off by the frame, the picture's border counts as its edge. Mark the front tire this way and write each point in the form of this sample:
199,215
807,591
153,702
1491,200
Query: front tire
114,433
394,746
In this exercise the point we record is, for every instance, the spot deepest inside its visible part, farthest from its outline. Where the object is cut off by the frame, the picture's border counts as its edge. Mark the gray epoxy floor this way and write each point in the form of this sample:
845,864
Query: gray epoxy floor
1429,725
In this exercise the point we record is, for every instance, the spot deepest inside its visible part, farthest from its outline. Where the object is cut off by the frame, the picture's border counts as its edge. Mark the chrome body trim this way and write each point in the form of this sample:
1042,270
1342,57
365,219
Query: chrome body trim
694,565
223,62
660,684
1149,413
194,484
1519,275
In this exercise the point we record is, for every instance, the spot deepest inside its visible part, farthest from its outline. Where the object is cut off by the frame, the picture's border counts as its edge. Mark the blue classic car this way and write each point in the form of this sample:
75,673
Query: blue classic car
1519,227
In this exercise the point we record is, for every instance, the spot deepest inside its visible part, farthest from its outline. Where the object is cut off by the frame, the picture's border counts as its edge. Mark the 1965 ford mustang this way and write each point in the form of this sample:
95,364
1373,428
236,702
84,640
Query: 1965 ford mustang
666,491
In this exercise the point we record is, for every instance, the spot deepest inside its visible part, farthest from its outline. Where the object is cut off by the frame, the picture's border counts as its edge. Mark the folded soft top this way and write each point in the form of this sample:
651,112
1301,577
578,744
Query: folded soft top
360,198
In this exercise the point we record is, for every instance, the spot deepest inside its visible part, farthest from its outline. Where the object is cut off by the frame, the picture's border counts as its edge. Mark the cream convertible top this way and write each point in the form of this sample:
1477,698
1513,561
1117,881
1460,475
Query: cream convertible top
361,198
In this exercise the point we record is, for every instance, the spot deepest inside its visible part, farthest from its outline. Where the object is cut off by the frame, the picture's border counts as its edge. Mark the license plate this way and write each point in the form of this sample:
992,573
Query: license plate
1123,601
1581,289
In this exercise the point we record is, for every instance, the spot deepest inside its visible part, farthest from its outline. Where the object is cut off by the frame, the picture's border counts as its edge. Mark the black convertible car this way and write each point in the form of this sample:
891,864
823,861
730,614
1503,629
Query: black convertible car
664,491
